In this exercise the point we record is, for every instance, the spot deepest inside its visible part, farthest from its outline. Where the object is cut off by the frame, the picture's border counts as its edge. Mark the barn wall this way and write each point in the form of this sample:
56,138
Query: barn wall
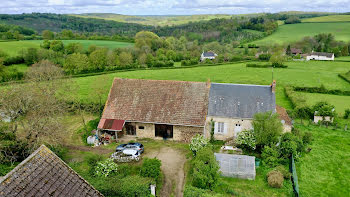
147,132
185,133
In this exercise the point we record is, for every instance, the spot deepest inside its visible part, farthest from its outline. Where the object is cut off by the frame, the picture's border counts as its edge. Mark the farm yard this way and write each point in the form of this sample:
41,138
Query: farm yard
15,47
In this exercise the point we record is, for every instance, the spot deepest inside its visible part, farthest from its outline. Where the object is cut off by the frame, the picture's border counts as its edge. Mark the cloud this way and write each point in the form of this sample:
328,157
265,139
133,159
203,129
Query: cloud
170,7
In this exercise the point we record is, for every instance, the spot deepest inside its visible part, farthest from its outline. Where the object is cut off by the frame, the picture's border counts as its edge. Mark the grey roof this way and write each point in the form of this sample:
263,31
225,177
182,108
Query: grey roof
209,54
240,101
329,55
238,166
43,173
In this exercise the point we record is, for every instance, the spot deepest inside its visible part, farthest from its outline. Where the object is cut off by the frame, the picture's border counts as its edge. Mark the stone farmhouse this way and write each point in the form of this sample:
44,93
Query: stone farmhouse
178,110
43,173
320,56
232,107
208,55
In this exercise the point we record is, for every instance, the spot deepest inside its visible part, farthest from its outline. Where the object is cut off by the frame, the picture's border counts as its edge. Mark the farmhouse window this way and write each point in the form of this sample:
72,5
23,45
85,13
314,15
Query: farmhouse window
141,127
220,127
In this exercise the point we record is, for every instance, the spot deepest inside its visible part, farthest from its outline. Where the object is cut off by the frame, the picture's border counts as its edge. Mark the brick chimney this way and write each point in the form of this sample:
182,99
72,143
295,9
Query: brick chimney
273,86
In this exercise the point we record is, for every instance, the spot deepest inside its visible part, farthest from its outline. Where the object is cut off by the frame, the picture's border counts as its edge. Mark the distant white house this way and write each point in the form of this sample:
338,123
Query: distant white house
208,55
320,56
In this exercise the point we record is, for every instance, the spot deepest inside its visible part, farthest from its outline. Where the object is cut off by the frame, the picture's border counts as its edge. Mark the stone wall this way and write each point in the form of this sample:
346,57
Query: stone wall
232,129
146,132
185,133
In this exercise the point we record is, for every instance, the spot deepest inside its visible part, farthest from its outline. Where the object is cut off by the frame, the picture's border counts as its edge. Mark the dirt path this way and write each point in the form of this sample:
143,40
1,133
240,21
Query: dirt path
173,168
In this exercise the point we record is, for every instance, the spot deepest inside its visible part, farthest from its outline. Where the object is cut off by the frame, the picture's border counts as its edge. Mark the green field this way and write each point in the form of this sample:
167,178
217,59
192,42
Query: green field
298,73
340,102
286,34
325,171
14,47
331,18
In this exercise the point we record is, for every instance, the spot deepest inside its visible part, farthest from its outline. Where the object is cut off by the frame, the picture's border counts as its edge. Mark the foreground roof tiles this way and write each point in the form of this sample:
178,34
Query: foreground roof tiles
158,101
44,174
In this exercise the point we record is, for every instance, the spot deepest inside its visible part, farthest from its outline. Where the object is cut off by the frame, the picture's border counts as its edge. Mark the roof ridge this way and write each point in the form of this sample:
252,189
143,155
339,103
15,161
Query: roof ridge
242,84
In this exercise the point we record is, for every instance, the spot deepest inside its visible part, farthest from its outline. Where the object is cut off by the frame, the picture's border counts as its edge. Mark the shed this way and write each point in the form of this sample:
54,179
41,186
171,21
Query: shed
237,166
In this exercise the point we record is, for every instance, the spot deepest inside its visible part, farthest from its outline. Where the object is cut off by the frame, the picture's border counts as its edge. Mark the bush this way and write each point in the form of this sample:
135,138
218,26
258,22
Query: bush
92,162
307,138
197,143
347,114
284,171
86,132
265,56
267,128
205,169
151,168
324,109
106,168
246,139
13,60
288,145
270,156
275,179
134,186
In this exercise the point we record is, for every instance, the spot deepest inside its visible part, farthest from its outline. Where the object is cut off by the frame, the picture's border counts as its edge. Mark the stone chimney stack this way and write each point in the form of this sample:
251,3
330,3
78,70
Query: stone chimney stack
273,86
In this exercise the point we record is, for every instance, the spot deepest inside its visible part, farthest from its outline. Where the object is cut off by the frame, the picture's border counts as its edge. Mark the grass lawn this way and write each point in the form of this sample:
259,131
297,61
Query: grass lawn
330,18
294,32
340,102
14,47
325,171
311,73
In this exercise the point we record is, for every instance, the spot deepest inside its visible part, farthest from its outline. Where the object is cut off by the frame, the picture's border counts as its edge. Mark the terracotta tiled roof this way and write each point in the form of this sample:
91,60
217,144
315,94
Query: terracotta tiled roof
44,174
158,101
283,115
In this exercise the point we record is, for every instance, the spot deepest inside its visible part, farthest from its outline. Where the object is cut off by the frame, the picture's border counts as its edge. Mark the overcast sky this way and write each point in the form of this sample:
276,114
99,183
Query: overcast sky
170,7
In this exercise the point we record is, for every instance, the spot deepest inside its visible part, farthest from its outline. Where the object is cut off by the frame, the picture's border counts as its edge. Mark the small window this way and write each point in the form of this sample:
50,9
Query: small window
221,127
141,127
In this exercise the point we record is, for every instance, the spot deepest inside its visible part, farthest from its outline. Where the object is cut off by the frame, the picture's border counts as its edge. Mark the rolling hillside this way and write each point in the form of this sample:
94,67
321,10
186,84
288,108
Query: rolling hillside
14,47
331,18
153,20
295,32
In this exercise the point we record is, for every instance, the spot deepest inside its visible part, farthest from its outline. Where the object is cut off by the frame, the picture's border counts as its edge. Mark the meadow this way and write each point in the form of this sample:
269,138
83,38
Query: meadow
14,47
310,73
330,18
325,171
295,32
340,102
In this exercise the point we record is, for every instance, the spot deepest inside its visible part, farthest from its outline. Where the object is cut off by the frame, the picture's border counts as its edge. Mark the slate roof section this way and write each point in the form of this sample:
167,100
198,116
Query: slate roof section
209,54
240,101
43,173
296,51
158,101
329,55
